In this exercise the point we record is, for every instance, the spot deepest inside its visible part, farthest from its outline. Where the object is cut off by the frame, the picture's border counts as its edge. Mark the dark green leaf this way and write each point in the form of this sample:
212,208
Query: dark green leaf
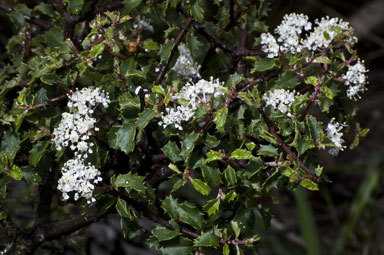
172,152
208,239
288,80
211,174
220,118
74,6
268,150
121,207
131,4
38,150
212,206
230,175
145,117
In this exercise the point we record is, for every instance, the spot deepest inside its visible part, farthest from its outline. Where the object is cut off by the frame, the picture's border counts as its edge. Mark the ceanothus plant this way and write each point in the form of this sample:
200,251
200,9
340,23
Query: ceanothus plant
184,113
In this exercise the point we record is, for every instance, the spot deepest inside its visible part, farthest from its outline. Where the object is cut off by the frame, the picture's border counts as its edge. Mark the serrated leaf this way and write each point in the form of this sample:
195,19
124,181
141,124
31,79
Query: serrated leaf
197,12
262,64
172,152
145,117
158,89
212,206
122,137
208,239
188,145
38,150
309,184
150,45
74,6
213,156
10,144
96,50
323,60
165,51
131,4
220,118
165,234
128,69
288,80
268,150
212,175
185,212
15,172
201,186
130,228
230,175
241,154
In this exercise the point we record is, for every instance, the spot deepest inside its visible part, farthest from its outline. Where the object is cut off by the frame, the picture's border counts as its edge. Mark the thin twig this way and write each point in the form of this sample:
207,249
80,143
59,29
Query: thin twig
178,39
48,102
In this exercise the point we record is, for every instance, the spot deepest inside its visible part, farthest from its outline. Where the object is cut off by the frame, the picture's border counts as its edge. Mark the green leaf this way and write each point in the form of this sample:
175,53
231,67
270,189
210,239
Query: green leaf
150,45
131,4
309,184
10,144
323,60
234,79
211,174
262,64
158,89
212,206
288,80
185,212
184,247
122,137
220,118
241,154
145,117
128,69
211,141
38,150
208,239
15,173
130,181
230,175
188,145
49,78
236,228
165,51
226,249
130,228
172,152
96,50
213,156
197,12
165,234
201,186
4,180
268,150
74,6
45,9
30,175
55,36
121,207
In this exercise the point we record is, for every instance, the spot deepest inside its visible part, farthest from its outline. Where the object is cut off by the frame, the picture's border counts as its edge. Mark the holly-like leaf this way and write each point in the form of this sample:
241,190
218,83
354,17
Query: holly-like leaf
241,154
172,152
145,117
201,186
220,118
208,239
288,80
212,206
122,137
230,175
309,184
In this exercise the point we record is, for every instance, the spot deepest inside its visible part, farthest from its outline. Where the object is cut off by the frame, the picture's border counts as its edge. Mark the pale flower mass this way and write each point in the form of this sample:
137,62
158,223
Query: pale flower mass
74,131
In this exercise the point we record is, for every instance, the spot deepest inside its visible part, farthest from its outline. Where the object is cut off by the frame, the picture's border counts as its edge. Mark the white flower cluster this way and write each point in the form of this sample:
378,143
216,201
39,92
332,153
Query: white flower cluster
185,65
190,97
333,132
280,99
74,132
289,32
74,128
355,78
324,33
79,178
269,45
143,24
290,38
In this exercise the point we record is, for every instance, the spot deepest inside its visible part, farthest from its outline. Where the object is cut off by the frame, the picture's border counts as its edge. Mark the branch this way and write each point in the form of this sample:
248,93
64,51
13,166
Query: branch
70,20
30,19
178,39
273,130
48,102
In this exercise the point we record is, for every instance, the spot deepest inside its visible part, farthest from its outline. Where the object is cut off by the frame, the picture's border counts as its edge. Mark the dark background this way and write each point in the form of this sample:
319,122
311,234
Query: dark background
346,213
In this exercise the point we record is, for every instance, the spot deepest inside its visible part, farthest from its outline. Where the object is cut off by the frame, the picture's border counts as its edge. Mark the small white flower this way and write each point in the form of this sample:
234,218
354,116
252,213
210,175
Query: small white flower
185,65
334,133
269,45
143,24
190,97
280,99
355,78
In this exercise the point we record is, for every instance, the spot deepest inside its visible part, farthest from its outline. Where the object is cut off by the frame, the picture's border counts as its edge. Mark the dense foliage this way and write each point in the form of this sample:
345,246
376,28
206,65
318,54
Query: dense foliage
186,113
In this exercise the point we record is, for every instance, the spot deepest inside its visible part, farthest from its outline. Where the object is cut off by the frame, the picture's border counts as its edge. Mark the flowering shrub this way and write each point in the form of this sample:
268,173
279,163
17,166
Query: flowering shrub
184,113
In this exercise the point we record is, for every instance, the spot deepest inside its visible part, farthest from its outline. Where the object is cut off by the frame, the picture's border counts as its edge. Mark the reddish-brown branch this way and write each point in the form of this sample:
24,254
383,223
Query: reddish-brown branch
273,130
178,39
48,102
30,19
